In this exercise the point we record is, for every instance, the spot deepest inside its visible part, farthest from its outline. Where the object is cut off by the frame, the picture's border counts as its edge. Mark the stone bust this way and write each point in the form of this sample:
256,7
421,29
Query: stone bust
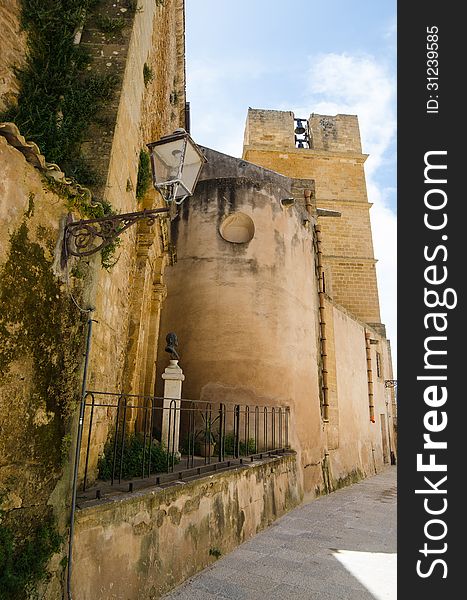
172,344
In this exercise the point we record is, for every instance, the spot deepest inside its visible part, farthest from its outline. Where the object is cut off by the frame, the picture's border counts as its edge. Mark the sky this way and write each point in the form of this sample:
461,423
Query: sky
305,56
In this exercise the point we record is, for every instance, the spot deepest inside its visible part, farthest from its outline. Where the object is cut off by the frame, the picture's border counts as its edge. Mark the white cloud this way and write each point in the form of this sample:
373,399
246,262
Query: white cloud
217,122
357,85
348,84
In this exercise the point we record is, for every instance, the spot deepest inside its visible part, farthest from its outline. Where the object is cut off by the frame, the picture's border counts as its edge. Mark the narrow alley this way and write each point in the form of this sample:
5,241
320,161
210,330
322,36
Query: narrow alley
338,547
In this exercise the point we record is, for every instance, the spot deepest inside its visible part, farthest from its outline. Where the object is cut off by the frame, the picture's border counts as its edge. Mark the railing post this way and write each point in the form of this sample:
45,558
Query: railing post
78,450
237,431
221,431
88,447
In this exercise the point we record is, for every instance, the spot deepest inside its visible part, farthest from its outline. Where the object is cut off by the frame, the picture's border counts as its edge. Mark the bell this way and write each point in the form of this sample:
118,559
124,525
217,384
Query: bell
299,130
300,144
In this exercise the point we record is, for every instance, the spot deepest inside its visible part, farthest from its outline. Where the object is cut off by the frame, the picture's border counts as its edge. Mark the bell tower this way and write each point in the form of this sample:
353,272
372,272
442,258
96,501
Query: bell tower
328,150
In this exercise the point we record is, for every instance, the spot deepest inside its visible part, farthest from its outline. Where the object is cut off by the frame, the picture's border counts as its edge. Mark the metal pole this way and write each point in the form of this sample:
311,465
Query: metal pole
77,453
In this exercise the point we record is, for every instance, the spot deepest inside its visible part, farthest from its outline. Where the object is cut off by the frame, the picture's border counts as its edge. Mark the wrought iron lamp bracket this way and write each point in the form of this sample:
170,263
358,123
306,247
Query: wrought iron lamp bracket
86,237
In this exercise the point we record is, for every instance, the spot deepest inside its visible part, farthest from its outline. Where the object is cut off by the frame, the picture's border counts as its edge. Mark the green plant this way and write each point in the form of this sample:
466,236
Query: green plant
135,449
81,171
107,254
144,180
58,96
148,74
205,439
23,561
244,448
110,24
77,271
89,209
132,6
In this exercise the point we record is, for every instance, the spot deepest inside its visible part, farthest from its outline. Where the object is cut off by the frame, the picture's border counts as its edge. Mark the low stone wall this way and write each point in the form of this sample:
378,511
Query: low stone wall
140,546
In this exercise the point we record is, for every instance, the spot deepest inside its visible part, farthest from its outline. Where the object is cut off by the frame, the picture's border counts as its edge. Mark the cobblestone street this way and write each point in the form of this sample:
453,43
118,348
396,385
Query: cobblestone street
338,547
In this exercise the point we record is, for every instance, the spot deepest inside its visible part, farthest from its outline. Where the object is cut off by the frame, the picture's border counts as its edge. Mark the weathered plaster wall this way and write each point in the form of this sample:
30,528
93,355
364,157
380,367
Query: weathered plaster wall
355,444
41,347
121,547
246,314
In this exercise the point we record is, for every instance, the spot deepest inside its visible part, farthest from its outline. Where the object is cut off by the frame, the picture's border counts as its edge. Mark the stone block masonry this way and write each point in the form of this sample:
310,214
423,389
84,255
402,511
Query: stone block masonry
336,163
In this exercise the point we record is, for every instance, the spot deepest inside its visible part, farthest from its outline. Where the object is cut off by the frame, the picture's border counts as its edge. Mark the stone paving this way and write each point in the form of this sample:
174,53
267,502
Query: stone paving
338,547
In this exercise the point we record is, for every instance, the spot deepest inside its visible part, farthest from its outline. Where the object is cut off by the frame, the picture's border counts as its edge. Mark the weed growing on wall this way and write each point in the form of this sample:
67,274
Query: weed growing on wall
112,25
144,175
76,201
148,74
23,561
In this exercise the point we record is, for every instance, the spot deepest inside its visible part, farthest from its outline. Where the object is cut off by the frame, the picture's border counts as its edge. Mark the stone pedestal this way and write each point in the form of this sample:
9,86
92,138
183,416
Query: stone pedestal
173,377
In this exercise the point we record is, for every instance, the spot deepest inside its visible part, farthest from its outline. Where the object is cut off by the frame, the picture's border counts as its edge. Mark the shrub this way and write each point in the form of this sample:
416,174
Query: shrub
134,450
245,448
23,562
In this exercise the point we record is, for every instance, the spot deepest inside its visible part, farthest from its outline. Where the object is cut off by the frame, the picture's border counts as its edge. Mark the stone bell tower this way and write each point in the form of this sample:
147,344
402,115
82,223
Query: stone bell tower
327,150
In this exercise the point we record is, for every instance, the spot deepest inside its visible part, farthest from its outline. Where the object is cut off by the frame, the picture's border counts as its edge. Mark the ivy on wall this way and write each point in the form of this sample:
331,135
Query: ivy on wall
58,96
23,561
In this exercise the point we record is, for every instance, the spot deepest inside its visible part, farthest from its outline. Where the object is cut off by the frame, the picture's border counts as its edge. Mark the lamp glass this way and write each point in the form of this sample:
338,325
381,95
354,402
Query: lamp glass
191,167
167,159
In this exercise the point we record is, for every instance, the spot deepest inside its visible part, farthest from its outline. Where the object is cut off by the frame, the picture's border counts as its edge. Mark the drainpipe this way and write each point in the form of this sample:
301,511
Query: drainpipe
77,452
322,314
369,371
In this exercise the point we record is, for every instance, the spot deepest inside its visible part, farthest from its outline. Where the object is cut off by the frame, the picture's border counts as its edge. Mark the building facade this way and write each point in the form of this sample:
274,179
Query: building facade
274,293
266,274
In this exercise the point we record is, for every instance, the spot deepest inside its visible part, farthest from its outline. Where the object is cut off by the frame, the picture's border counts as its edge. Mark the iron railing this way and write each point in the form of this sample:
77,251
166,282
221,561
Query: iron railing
188,437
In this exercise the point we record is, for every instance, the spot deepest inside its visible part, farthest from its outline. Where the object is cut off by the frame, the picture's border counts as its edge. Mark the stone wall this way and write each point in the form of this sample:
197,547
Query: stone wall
128,299
142,545
13,45
42,330
336,163
355,444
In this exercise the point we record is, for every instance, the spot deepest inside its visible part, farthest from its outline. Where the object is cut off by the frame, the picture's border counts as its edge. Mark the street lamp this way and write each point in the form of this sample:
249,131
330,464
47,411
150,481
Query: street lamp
176,165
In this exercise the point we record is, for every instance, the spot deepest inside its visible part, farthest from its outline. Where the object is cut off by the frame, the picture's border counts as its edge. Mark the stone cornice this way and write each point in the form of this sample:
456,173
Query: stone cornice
343,202
350,259
307,152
